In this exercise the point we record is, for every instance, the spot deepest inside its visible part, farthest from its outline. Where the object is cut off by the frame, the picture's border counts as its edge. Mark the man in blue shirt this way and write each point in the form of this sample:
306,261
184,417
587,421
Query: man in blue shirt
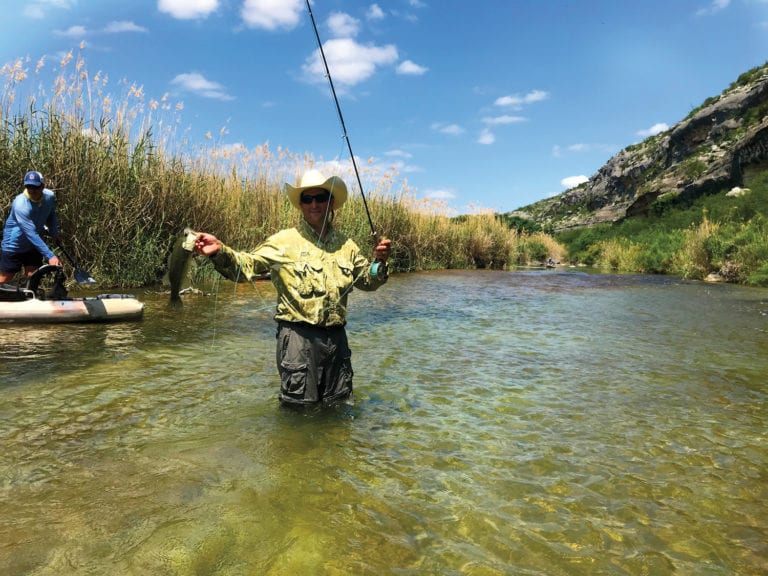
23,245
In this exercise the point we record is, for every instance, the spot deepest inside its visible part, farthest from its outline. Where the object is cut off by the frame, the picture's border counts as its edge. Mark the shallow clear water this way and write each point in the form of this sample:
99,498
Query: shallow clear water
526,423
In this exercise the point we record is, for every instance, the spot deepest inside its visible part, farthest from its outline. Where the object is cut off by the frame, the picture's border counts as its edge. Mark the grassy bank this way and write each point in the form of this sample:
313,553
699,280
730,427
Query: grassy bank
127,182
716,234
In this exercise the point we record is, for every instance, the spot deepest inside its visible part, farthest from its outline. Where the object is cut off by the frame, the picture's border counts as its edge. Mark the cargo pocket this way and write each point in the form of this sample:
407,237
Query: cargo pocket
293,380
303,280
318,279
346,273
310,281
342,384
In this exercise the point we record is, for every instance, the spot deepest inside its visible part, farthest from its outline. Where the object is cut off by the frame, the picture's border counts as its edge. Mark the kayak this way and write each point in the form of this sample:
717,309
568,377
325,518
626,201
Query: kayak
34,304
101,308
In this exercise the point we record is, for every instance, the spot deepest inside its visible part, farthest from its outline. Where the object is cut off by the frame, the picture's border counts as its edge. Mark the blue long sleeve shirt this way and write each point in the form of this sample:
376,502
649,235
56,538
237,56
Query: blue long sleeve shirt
26,222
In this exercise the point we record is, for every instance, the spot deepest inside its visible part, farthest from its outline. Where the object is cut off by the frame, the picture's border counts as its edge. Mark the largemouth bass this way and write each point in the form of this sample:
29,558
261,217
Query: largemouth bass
178,262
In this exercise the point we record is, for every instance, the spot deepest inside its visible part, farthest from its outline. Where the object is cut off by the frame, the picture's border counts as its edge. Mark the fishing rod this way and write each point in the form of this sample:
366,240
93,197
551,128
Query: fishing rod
341,119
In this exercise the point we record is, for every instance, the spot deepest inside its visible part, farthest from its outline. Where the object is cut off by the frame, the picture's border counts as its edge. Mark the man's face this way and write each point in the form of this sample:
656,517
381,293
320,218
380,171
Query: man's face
315,205
35,192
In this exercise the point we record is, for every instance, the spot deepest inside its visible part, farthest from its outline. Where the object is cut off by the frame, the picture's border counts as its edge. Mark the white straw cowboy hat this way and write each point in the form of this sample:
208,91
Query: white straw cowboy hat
314,179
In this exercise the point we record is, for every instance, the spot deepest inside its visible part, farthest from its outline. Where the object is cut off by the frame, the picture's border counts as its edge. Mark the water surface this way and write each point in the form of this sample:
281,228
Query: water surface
528,423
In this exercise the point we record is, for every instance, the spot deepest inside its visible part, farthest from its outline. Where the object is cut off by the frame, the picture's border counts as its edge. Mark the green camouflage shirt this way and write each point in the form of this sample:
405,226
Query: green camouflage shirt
313,277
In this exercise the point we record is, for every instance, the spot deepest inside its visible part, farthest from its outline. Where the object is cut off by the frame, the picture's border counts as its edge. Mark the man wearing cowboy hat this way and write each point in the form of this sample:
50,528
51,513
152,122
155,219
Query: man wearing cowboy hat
314,268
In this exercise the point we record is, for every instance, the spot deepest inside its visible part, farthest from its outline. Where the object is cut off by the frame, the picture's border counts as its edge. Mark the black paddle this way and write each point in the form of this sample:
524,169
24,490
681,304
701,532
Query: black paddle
81,276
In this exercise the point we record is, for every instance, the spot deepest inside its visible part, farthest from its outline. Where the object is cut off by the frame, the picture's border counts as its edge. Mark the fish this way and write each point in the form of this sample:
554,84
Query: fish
178,262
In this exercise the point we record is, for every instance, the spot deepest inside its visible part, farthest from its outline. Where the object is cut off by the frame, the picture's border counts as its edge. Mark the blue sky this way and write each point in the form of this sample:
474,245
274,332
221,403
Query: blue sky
479,104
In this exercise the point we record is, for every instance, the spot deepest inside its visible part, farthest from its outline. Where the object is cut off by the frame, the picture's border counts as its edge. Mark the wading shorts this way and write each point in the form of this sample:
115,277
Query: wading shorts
314,364
12,262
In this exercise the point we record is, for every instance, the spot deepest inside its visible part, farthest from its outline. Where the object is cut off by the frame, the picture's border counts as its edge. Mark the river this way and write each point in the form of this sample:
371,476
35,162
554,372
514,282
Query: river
541,422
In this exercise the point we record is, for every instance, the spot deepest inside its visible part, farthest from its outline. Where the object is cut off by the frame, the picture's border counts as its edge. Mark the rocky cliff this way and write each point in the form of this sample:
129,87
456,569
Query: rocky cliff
714,149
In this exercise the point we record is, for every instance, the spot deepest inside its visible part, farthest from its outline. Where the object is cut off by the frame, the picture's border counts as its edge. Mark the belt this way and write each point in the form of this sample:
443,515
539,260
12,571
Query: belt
307,325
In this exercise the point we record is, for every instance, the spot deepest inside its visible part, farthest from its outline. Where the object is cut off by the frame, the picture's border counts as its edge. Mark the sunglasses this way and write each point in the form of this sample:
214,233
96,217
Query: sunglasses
319,198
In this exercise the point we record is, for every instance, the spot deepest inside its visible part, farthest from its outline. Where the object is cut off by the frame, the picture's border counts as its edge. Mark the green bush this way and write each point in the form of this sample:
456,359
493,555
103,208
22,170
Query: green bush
686,238
536,251
693,168
759,277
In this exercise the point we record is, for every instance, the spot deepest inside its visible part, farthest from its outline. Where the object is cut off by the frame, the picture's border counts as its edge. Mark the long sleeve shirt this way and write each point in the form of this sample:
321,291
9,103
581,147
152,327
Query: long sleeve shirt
313,278
26,223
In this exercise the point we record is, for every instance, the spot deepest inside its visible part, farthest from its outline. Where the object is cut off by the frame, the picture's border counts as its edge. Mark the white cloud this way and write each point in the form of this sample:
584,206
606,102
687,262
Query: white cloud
40,8
123,26
73,32
341,168
582,147
443,128
65,4
374,12
397,159
400,167
349,62
272,14
398,153
573,181
440,193
714,7
516,101
111,28
653,130
196,83
188,9
343,25
411,68
408,168
34,11
505,119
486,137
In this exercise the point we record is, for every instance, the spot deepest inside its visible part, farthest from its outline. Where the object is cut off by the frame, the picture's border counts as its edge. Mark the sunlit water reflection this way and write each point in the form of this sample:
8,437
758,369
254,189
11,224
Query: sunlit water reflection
535,423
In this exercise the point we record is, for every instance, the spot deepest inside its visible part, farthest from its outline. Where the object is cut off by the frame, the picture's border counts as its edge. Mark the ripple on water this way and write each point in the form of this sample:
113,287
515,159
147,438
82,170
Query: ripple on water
525,423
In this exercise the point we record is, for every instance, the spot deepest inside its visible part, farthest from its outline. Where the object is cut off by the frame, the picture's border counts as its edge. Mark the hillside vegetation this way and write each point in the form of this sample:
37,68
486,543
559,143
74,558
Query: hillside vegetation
690,201
716,237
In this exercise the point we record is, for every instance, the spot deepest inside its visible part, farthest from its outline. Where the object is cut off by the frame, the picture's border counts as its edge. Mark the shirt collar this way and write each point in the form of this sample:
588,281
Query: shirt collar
309,233
26,193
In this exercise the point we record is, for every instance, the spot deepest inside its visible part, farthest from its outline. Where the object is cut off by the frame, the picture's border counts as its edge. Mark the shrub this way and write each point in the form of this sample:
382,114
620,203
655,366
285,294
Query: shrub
694,259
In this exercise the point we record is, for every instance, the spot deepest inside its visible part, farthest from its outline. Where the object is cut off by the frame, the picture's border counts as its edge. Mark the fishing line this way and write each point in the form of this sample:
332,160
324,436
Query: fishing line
252,282
216,282
341,119
326,218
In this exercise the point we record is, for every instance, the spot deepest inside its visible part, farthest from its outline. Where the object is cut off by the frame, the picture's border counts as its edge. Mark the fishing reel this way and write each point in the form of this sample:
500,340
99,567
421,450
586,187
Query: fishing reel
379,269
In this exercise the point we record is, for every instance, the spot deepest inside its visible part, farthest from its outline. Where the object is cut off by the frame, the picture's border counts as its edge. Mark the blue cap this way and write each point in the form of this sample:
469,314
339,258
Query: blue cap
33,178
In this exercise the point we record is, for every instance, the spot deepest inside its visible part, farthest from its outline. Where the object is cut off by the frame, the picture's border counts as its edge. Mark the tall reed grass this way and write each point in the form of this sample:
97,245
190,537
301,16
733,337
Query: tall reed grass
127,182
